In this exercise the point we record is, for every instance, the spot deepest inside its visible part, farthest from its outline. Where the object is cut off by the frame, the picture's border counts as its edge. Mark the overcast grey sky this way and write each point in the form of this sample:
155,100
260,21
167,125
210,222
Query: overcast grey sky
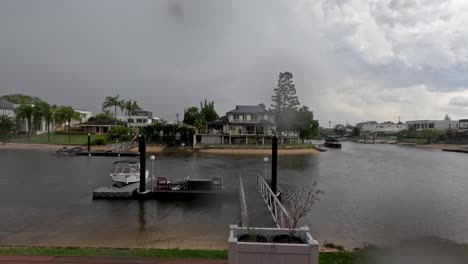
352,60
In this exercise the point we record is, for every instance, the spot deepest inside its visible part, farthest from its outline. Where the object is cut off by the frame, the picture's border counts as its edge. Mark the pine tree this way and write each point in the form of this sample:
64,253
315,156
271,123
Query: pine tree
285,93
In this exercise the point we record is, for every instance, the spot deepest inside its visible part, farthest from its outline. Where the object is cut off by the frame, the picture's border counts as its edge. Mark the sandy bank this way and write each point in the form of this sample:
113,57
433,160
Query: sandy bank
442,146
33,146
256,151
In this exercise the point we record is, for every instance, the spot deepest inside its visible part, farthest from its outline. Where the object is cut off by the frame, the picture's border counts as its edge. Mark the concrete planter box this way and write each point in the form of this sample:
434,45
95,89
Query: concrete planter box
271,253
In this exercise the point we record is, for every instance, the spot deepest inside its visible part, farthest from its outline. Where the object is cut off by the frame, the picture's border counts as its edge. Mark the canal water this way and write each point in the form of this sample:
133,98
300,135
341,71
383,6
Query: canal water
374,194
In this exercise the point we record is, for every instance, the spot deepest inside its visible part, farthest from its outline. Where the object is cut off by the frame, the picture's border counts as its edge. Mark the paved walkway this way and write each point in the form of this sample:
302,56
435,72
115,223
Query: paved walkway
90,260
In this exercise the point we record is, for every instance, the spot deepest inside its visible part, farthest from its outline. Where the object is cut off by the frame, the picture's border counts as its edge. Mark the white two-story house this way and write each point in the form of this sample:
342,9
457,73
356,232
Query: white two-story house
247,124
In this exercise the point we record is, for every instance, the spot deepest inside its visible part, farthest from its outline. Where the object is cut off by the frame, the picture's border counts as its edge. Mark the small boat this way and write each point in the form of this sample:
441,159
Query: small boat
126,172
66,151
332,143
188,184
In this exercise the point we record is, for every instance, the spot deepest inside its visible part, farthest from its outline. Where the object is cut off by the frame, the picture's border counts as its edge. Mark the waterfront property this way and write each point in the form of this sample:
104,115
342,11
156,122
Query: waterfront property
140,118
98,126
439,125
7,108
385,128
247,124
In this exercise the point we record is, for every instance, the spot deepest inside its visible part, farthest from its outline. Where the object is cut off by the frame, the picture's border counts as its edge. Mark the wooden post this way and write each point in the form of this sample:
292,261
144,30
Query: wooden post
274,165
142,150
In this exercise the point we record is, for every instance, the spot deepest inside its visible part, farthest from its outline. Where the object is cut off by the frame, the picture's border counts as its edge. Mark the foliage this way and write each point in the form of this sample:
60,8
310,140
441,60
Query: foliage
199,117
100,141
207,111
58,138
101,117
121,133
447,118
356,131
192,116
305,123
299,205
115,102
130,106
169,133
20,99
65,114
25,112
429,135
7,126
285,93
340,129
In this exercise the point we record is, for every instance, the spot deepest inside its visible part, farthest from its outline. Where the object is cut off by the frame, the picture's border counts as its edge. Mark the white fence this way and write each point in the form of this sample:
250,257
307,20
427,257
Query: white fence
277,210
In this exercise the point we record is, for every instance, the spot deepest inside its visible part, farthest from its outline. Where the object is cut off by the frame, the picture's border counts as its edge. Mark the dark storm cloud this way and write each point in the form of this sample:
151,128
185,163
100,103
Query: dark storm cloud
171,54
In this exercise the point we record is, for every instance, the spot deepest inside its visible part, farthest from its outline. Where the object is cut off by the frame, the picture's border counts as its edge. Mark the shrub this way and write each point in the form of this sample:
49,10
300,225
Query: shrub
99,141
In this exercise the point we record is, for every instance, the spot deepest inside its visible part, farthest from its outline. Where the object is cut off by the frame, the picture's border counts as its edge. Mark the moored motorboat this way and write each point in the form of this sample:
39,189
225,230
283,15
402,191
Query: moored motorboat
126,172
332,143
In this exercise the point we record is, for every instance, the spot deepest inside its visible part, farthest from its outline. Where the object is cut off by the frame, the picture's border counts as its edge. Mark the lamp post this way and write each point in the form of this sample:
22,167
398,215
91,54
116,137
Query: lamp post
265,161
152,158
89,142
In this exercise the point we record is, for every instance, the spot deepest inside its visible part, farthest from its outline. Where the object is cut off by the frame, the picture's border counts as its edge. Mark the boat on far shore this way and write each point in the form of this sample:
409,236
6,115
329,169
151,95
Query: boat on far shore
332,143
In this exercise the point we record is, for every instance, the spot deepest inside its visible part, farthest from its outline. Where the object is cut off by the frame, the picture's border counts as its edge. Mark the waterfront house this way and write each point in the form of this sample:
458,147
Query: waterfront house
385,128
246,124
7,108
99,126
140,118
440,125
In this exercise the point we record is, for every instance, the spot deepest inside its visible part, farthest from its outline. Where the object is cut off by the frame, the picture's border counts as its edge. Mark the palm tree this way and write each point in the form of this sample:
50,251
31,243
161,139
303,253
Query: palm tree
47,113
113,102
65,114
7,125
25,111
130,106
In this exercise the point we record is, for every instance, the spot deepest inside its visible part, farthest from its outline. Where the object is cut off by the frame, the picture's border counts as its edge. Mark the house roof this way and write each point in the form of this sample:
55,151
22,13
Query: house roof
4,104
220,121
248,109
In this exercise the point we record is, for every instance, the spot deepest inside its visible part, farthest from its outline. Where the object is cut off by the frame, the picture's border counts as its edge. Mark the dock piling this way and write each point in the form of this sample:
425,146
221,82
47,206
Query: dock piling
142,150
274,164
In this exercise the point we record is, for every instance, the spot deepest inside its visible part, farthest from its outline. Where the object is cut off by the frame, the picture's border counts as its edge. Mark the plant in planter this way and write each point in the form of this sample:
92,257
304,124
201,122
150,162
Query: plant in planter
298,204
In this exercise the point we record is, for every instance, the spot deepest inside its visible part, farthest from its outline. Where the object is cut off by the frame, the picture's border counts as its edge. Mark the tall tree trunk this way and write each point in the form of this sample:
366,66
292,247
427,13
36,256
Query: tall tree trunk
48,131
115,114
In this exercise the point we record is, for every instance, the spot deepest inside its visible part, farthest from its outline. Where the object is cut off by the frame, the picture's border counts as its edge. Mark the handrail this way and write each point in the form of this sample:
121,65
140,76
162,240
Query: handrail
278,212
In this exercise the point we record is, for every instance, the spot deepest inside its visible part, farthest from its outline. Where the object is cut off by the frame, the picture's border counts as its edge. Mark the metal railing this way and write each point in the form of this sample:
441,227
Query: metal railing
276,208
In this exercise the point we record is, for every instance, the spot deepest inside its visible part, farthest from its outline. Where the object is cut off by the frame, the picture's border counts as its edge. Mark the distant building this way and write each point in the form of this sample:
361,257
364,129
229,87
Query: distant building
386,128
7,108
98,126
140,118
247,124
84,116
440,125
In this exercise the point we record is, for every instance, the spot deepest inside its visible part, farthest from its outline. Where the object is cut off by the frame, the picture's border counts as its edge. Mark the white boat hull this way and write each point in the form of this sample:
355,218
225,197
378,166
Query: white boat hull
127,178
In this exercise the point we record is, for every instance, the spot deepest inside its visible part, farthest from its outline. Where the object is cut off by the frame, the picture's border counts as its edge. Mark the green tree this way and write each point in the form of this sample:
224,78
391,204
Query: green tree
356,131
130,106
340,129
207,111
192,116
115,102
7,125
25,112
429,135
64,115
305,123
447,118
285,93
44,111
20,99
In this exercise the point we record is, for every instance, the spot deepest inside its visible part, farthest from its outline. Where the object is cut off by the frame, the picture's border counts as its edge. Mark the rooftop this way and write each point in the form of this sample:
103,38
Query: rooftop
4,104
248,109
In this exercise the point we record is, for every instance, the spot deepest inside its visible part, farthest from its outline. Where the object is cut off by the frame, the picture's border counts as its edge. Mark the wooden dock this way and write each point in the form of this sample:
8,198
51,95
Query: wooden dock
130,192
108,154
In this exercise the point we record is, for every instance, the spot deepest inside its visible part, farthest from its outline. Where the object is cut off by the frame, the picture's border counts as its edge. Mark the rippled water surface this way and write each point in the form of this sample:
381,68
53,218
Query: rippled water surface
373,194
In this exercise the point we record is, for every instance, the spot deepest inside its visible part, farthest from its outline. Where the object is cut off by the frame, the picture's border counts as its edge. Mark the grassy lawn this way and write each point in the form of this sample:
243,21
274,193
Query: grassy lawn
59,139
325,258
